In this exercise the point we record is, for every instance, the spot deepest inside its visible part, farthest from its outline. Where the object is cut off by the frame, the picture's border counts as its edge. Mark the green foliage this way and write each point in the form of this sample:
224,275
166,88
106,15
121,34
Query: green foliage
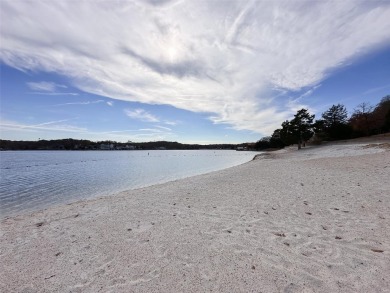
287,134
270,142
334,124
303,124
299,129
337,114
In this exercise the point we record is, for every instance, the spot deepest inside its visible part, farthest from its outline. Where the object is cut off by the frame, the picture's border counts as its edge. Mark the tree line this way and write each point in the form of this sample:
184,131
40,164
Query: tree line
82,144
334,124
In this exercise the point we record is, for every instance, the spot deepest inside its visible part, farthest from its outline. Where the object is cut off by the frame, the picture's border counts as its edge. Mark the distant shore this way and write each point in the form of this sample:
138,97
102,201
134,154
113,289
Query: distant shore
315,220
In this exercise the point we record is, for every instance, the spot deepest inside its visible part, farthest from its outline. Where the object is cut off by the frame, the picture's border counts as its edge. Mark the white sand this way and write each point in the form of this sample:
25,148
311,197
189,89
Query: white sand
317,220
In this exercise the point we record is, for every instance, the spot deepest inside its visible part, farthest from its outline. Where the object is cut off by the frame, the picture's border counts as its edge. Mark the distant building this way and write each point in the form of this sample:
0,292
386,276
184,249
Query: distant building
240,148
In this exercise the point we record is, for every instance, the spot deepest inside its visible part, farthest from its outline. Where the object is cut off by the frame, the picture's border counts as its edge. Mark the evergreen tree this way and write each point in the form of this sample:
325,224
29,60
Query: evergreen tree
334,123
287,133
298,130
302,126
337,114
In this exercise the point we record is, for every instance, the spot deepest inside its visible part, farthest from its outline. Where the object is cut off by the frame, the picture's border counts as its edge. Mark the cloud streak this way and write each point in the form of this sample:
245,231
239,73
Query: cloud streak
56,126
141,115
44,86
48,88
83,103
231,60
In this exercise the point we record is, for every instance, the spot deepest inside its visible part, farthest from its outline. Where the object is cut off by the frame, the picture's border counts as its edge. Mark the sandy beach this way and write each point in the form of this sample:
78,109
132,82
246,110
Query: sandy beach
315,220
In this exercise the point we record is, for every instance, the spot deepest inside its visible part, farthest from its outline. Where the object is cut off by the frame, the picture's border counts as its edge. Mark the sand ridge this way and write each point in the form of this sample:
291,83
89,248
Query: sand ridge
310,221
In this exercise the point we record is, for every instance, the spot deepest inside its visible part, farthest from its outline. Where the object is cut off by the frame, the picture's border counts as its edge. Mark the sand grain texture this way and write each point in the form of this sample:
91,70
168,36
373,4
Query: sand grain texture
311,221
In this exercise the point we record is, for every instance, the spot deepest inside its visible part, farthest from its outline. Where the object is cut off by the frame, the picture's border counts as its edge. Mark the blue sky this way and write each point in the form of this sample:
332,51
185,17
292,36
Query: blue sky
187,71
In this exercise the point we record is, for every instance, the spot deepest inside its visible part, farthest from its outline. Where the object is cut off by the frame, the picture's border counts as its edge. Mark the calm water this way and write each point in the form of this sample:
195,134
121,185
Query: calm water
33,180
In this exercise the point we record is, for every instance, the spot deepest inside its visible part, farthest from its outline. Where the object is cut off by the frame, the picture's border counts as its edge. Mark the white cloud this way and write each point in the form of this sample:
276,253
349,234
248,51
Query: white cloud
44,86
164,128
61,129
231,59
172,123
56,126
109,103
48,88
81,103
141,114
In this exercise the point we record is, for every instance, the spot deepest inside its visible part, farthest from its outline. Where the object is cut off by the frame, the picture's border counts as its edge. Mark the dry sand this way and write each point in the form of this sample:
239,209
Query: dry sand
317,220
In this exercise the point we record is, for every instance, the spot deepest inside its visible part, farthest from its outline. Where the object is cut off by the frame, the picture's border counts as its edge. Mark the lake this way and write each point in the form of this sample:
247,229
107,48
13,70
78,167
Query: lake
34,180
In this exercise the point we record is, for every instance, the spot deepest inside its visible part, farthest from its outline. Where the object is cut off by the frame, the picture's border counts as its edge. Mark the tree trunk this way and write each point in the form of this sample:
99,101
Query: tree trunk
300,141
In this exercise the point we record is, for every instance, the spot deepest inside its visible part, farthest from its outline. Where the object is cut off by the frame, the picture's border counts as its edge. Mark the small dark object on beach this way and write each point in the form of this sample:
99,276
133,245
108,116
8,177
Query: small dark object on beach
309,213
286,243
253,267
229,231
376,250
58,253
302,184
280,234
75,216
39,224
129,229
338,237
273,208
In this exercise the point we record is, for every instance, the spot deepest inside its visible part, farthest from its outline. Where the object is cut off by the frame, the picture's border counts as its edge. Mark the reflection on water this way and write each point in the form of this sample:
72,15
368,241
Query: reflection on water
33,180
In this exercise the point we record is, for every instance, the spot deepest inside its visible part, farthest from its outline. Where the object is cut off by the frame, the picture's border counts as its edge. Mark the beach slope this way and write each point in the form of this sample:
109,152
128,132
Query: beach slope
315,220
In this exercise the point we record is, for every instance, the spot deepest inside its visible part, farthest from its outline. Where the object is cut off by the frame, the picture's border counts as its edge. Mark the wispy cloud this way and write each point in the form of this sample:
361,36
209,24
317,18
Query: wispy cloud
48,88
44,86
80,103
376,89
172,123
164,128
109,103
62,128
229,59
54,94
141,114
57,126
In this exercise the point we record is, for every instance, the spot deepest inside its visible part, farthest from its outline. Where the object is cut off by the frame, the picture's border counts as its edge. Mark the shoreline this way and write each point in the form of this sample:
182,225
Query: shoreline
114,191
314,220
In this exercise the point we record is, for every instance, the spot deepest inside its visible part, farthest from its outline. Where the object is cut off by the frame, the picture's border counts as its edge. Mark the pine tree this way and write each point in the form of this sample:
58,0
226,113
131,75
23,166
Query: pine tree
337,114
302,126
335,122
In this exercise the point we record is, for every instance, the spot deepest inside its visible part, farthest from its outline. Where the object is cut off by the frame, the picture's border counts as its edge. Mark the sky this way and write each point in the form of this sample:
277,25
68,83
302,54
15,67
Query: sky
188,71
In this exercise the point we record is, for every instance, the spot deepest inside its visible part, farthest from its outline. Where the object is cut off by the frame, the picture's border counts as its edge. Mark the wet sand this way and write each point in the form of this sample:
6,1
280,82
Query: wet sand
316,220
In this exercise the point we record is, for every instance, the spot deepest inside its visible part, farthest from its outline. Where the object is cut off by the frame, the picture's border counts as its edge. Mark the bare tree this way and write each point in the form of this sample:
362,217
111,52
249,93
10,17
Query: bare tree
362,119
